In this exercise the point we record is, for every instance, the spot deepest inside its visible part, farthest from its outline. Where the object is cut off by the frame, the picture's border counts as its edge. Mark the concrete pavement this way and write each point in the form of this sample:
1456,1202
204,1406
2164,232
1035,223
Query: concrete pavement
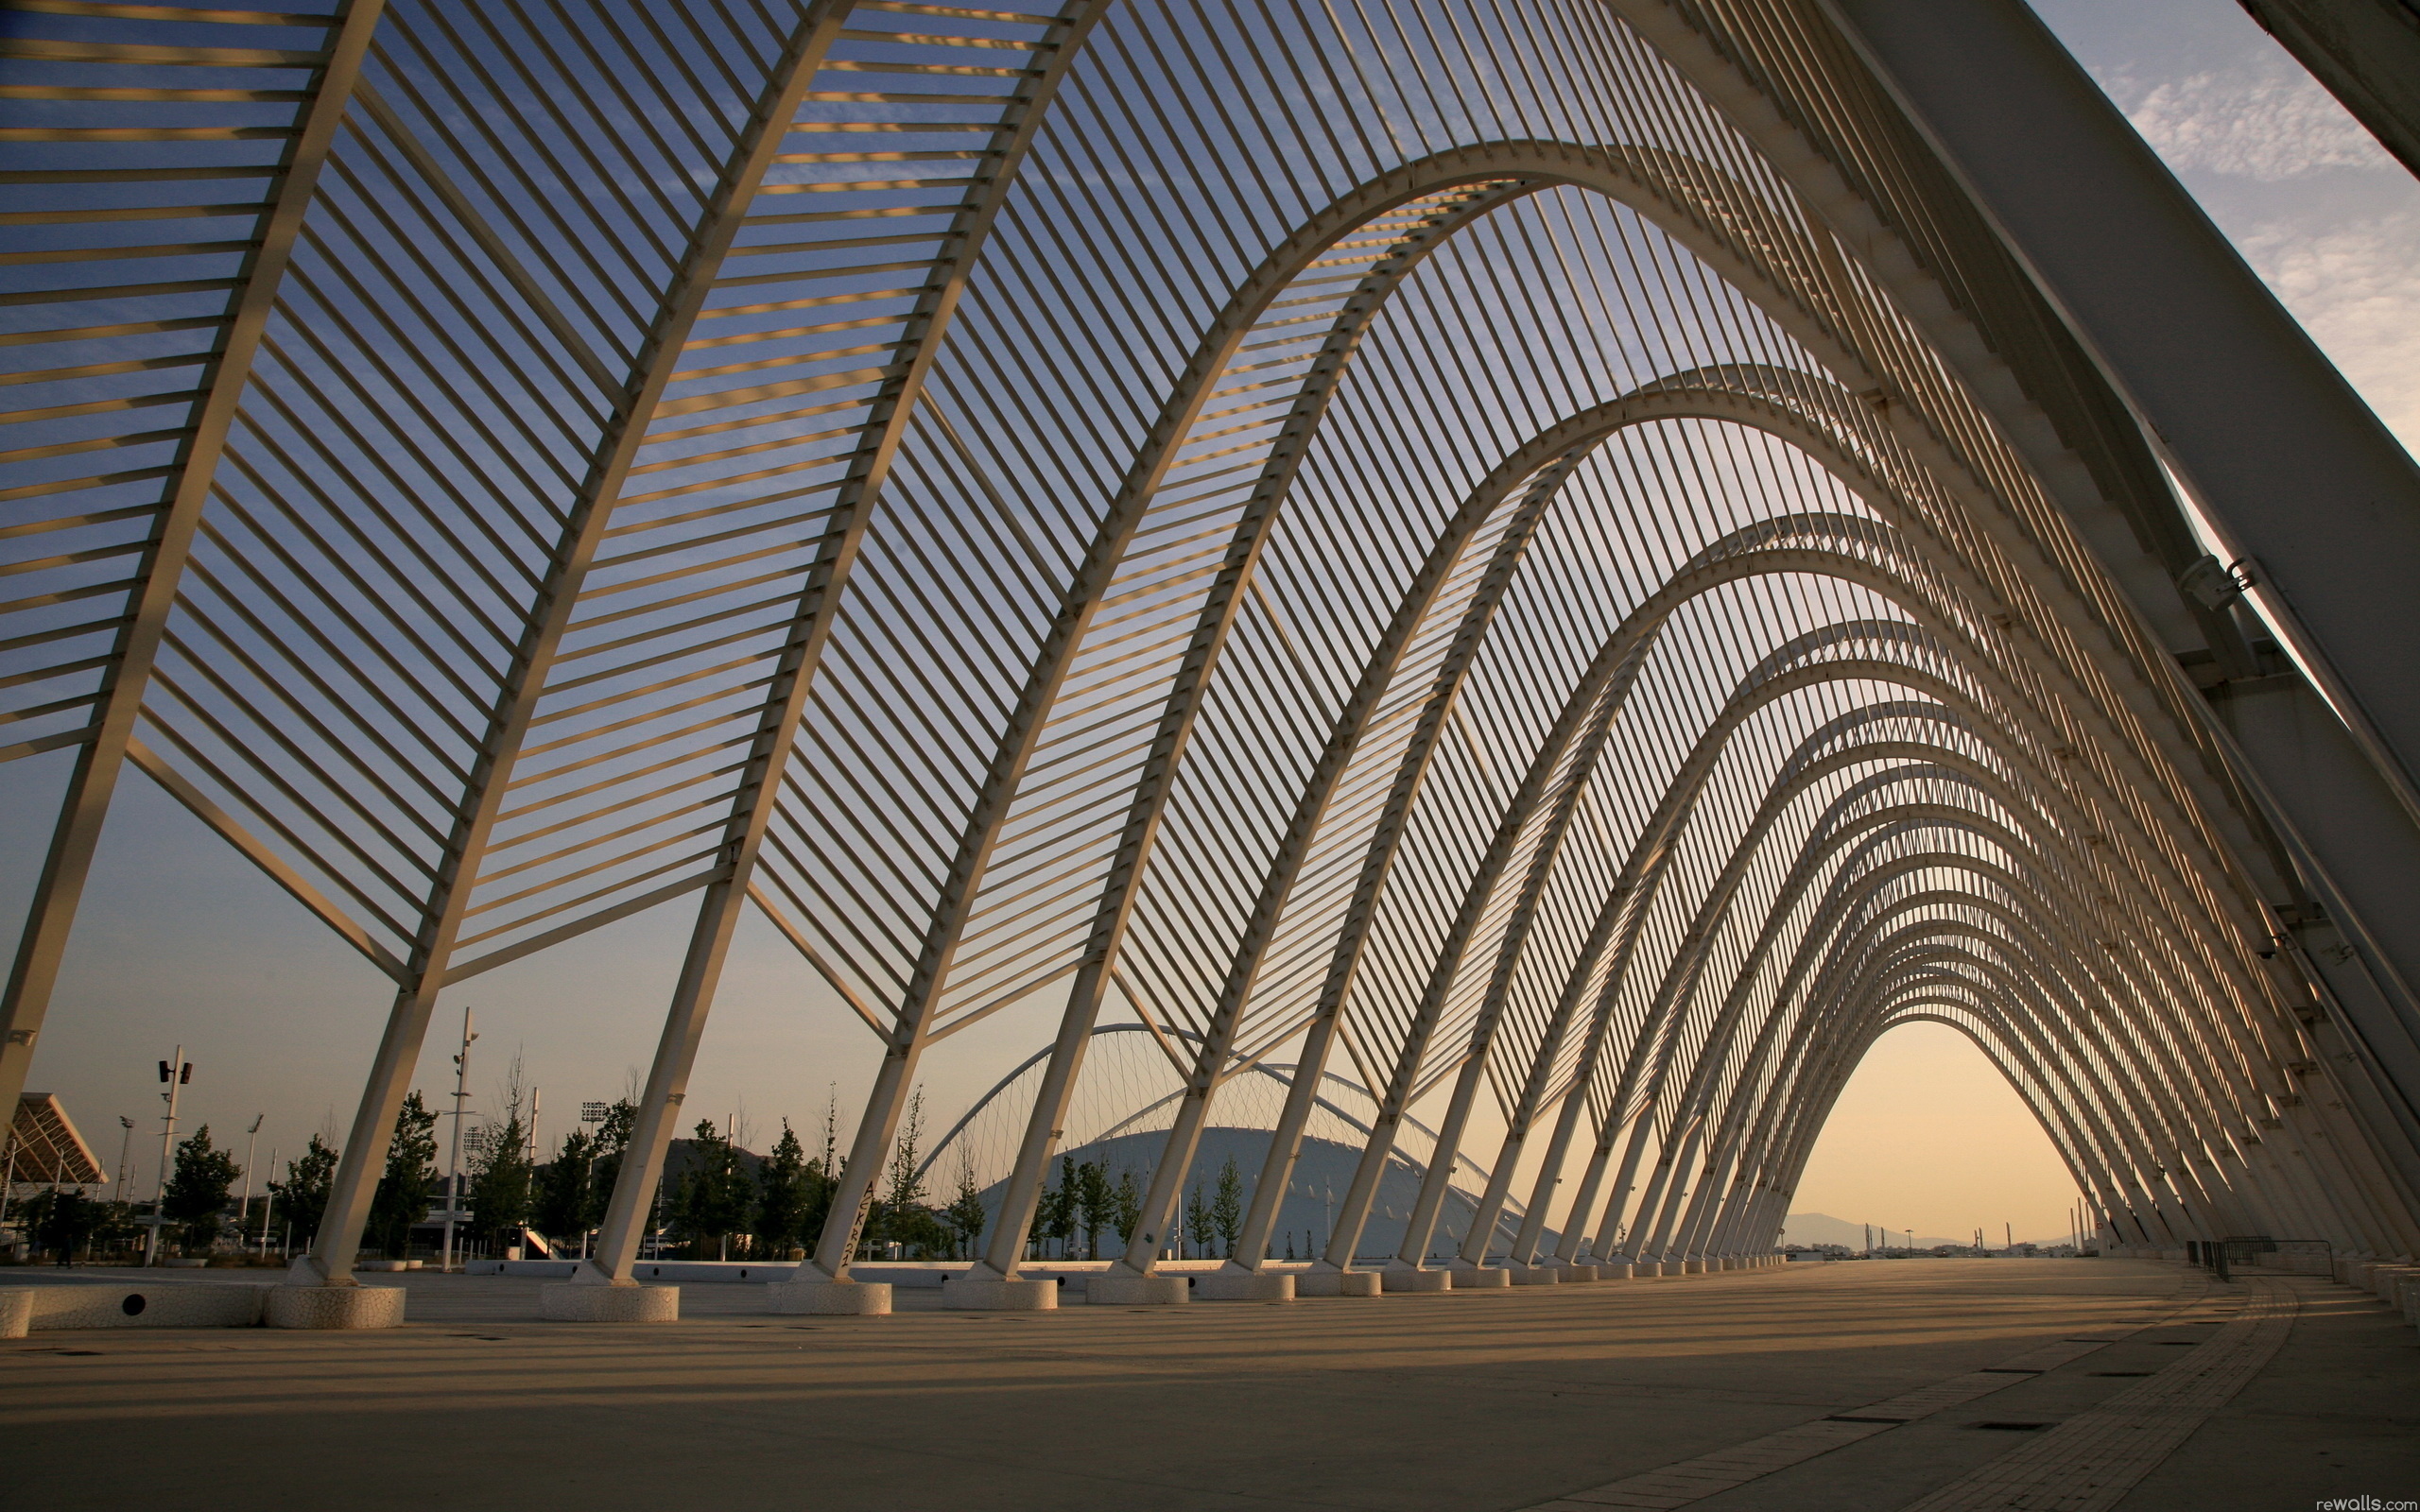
1488,1400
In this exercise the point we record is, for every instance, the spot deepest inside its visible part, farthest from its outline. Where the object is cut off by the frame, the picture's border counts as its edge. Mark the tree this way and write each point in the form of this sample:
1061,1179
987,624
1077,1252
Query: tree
1037,1233
900,1215
716,1197
612,1139
500,1181
1198,1224
782,1195
964,1215
823,1178
198,1188
1126,1206
1098,1201
603,1156
1227,1207
404,1190
1059,1206
302,1197
562,1206
60,1219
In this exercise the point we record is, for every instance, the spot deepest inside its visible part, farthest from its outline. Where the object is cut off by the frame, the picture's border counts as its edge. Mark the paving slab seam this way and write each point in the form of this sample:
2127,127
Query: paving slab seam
1693,1479
2089,1463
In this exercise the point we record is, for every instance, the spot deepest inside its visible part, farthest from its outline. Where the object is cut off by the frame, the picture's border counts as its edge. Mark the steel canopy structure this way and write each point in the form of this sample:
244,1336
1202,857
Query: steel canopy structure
1572,561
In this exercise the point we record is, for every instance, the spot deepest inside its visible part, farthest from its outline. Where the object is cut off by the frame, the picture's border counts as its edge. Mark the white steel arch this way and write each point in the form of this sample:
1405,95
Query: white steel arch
1547,548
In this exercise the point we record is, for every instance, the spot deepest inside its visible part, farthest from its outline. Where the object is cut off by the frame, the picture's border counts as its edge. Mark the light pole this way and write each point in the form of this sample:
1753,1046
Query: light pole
268,1202
252,1142
176,1073
125,1143
454,1162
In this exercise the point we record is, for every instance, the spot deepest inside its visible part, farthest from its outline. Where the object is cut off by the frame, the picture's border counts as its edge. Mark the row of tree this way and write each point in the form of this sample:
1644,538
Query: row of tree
724,1199
201,1182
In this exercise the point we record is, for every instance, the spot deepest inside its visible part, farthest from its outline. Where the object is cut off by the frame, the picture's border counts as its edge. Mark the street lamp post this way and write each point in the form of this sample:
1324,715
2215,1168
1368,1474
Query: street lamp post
176,1073
252,1142
454,1162
268,1202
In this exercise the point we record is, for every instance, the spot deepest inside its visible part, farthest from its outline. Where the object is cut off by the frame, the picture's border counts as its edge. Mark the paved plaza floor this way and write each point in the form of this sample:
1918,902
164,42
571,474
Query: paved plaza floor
1865,1385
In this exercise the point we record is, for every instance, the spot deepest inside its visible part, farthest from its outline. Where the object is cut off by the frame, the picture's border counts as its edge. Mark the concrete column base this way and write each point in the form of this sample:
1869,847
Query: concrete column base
1614,1270
1534,1275
1690,1267
1575,1275
973,1294
1336,1284
1406,1278
831,1298
1481,1277
1655,1267
334,1307
16,1314
573,1302
1244,1287
1110,1289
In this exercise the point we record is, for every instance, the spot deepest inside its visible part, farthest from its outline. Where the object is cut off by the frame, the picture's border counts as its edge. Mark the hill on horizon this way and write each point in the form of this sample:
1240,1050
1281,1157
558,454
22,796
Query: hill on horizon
1324,1169
1823,1228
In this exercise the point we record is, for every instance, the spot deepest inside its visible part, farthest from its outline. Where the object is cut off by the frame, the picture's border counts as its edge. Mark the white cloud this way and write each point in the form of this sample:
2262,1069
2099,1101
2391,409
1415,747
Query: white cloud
2356,287
2262,122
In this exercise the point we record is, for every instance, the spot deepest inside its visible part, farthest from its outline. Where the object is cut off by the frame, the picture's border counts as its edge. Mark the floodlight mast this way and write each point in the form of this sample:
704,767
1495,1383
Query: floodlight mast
592,1114
176,1072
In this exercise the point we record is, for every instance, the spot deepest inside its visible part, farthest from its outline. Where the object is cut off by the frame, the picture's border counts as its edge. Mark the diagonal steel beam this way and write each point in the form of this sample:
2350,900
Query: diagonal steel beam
102,757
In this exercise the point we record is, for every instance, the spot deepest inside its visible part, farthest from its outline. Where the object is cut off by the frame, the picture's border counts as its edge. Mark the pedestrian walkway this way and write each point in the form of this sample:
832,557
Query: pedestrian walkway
1887,1385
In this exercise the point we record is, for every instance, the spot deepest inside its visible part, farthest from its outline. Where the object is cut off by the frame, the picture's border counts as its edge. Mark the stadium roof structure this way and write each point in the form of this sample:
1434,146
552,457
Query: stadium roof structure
45,1148
1589,556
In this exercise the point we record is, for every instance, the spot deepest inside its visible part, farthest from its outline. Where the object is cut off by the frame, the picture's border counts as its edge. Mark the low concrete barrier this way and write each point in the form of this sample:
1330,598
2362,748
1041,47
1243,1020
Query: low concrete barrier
80,1305
1324,1283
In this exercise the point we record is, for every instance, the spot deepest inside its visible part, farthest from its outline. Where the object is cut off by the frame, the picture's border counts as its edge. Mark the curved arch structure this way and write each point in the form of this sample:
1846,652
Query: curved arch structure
1546,562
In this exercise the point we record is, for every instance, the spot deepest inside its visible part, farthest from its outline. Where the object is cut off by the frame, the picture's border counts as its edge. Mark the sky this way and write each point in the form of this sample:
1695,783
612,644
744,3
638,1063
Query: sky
1928,1136
2315,205
180,943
